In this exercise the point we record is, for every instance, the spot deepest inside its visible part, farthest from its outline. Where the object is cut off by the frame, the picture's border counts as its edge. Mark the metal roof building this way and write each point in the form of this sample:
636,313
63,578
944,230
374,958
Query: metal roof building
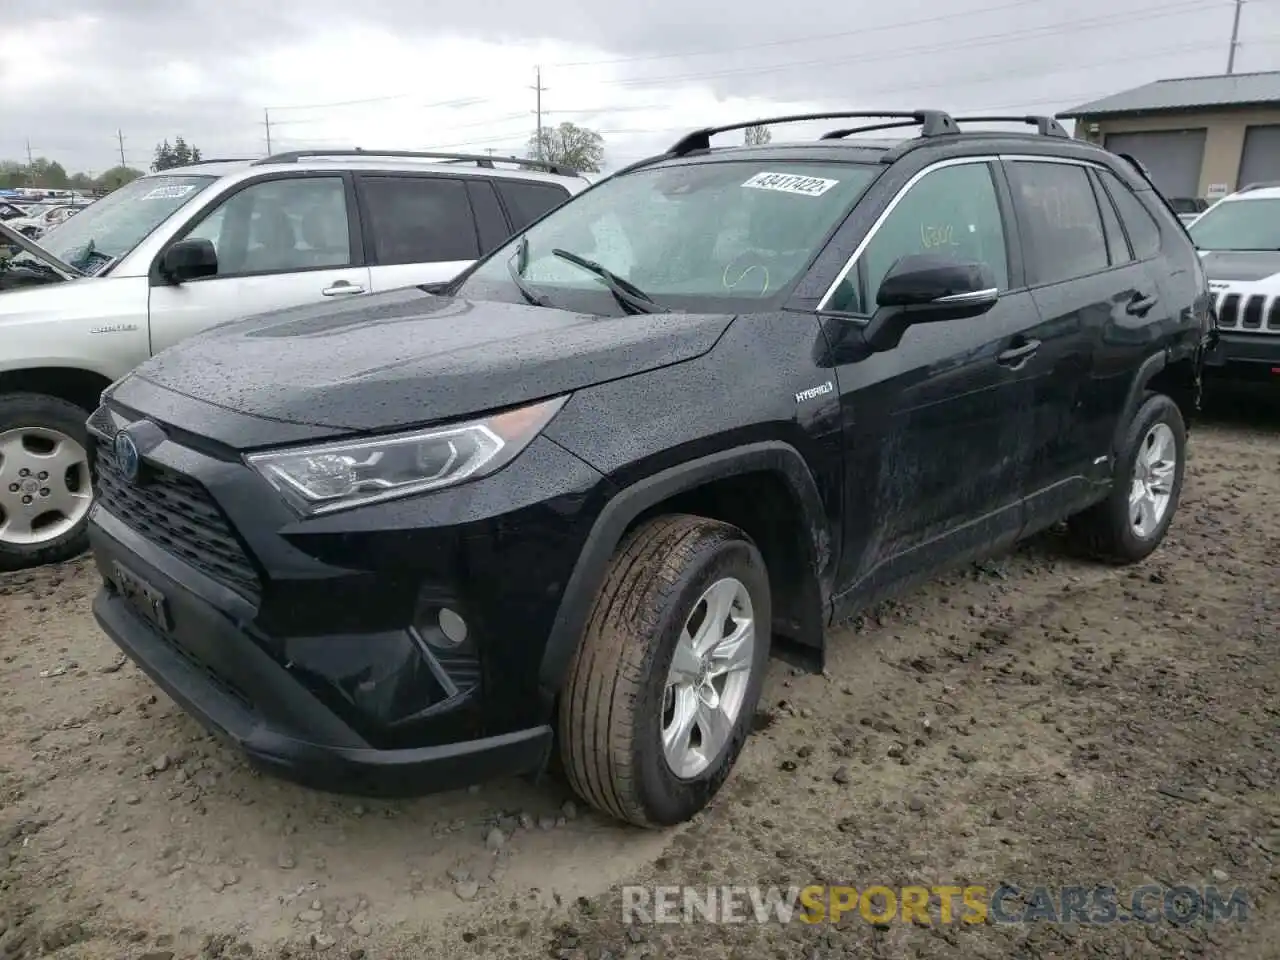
1199,136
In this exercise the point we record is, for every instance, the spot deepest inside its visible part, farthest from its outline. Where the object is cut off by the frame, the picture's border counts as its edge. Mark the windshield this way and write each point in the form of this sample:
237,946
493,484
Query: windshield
1239,225
698,237
111,227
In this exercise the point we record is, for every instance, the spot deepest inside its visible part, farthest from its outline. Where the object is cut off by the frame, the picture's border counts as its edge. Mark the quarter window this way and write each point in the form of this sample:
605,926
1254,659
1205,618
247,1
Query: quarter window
1142,227
1117,245
951,211
420,219
1064,234
527,201
280,226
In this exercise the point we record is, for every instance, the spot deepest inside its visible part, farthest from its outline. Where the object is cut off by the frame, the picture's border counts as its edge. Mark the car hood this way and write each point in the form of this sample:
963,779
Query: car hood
1245,265
407,357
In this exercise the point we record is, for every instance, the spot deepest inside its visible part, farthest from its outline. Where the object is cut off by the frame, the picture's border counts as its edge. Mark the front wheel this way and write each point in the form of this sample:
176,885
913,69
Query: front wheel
1133,520
663,688
45,485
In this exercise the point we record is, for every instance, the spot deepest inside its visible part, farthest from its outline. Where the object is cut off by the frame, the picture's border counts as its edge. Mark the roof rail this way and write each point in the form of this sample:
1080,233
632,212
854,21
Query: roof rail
1045,126
1259,185
934,122
196,163
479,159
847,131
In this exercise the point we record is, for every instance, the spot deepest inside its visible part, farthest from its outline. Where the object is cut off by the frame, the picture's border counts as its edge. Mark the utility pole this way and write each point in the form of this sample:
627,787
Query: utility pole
120,140
30,161
1235,38
538,89
266,122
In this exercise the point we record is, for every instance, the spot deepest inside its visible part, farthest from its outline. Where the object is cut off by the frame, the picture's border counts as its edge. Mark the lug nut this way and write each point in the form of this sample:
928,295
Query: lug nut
44,492
43,474
26,500
13,488
24,472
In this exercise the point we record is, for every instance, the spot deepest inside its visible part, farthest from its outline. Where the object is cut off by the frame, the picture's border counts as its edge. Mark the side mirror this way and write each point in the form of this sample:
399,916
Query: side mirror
927,288
939,284
189,259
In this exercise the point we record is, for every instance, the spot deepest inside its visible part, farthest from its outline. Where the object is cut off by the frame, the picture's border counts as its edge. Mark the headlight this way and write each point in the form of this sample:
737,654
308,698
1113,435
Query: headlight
336,476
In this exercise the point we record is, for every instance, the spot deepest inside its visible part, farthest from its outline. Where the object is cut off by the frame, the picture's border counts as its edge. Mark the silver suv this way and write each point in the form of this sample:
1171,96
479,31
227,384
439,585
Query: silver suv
174,253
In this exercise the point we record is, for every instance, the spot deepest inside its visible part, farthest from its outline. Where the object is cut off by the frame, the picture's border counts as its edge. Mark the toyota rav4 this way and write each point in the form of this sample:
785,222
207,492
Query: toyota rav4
709,407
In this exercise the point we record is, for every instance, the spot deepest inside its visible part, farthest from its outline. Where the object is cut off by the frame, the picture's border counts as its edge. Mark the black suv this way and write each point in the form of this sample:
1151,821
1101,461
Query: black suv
715,403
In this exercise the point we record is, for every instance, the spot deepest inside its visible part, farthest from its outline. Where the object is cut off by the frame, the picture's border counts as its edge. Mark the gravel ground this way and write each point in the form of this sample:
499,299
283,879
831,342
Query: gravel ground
1032,720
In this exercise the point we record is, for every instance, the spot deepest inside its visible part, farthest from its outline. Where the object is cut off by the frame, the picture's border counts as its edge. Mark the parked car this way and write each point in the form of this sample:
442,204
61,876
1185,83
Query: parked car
412,542
1239,242
44,218
11,211
172,254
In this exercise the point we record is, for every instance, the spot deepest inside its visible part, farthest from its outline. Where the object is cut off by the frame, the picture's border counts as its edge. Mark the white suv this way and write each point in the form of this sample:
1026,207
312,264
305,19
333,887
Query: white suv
174,253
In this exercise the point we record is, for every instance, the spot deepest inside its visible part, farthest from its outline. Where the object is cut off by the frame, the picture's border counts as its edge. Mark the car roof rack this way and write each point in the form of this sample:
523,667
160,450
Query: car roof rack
1259,185
934,122
196,163
1045,126
848,131
479,159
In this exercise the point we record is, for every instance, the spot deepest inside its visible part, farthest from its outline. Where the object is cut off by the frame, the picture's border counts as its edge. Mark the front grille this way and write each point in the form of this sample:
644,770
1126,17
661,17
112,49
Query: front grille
177,514
1256,312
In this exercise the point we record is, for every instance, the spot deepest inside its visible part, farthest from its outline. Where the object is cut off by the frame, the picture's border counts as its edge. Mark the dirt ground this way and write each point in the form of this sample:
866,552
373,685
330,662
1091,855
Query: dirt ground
1033,720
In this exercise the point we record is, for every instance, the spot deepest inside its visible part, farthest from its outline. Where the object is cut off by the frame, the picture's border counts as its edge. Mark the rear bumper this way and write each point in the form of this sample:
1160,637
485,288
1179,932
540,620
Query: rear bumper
1244,357
211,665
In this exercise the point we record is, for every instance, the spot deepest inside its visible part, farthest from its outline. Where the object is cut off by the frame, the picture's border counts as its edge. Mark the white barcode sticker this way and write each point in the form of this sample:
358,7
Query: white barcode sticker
791,183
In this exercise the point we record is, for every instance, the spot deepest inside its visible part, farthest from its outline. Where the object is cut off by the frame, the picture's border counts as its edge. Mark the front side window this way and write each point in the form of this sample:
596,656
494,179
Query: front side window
113,226
280,226
1064,233
699,237
1239,225
420,219
952,212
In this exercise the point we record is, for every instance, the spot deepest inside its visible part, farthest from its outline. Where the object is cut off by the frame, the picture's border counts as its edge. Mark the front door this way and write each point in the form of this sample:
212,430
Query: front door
281,242
933,428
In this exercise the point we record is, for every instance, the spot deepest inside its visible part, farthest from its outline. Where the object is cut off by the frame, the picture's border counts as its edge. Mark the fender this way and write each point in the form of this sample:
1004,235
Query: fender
1150,367
589,572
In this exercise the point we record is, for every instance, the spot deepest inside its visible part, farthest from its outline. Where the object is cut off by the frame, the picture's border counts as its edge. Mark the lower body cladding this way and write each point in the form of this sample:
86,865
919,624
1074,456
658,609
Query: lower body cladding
1244,358
411,668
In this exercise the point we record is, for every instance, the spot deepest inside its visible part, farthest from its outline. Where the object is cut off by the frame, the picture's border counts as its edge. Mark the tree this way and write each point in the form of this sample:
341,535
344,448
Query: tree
117,177
756,136
178,155
571,145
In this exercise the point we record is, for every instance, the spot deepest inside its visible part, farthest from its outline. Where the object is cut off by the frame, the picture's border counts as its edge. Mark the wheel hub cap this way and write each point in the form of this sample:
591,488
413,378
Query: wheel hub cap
44,485
708,679
1151,491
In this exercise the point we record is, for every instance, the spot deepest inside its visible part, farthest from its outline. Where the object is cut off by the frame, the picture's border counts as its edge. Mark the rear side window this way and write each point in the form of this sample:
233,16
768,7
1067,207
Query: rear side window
1063,225
527,201
1143,231
419,219
1117,244
490,221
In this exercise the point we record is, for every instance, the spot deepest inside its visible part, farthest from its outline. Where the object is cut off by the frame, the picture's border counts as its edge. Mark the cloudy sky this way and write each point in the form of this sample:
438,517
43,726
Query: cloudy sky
459,76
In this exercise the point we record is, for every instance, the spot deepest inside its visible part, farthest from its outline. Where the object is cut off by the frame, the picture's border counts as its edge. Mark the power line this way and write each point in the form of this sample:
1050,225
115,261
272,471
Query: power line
1135,16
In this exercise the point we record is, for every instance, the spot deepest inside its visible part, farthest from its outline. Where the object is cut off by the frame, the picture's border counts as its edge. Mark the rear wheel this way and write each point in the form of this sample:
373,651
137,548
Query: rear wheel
663,687
1133,520
45,485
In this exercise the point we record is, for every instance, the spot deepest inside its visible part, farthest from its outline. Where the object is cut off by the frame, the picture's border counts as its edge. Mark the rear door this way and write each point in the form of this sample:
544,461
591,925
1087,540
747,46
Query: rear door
421,227
1085,282
284,240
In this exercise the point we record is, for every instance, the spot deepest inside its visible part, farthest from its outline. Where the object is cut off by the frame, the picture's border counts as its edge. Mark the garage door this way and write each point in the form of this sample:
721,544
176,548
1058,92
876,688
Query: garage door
1260,160
1172,157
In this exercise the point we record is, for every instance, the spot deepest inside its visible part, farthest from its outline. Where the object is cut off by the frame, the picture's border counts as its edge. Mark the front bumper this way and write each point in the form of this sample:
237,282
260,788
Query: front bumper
1244,357
212,667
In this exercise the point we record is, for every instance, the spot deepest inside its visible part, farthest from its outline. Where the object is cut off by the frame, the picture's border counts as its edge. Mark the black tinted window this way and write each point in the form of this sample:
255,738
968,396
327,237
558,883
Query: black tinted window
1117,245
489,219
1143,232
526,201
1064,236
420,219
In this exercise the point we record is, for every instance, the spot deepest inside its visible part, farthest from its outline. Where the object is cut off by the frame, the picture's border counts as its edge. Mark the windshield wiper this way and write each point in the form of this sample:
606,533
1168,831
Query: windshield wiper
517,275
624,291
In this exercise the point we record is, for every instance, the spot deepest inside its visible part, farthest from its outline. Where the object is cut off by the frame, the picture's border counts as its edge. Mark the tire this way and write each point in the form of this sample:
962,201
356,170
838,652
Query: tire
1107,530
47,418
614,704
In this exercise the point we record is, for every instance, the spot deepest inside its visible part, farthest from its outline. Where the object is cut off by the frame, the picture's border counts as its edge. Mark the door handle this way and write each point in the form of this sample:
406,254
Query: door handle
1140,306
342,288
1016,356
